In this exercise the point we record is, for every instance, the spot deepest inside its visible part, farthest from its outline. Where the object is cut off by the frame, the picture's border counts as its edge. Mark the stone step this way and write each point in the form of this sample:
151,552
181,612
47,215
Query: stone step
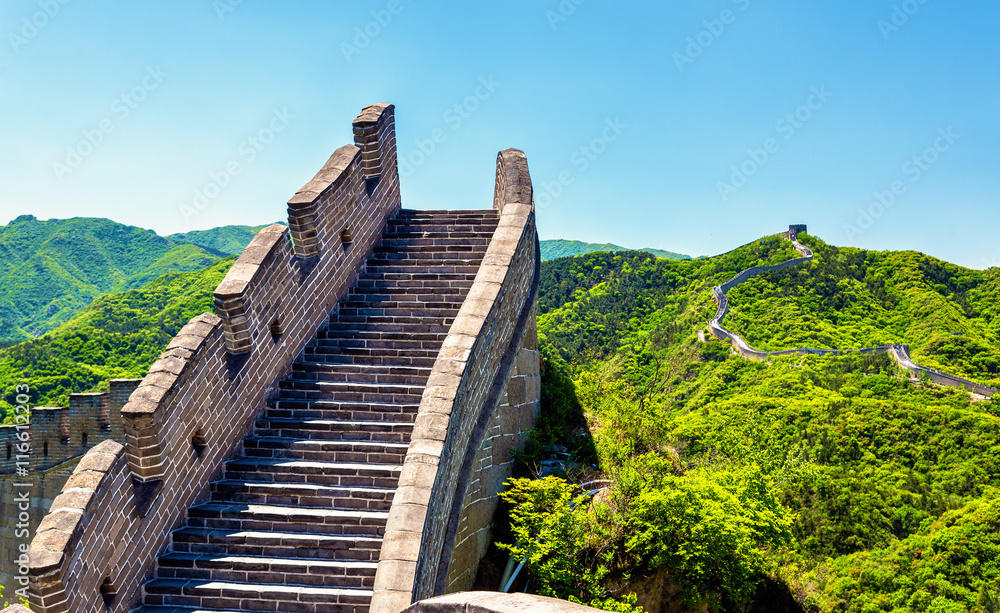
373,342
328,393
418,292
412,285
444,223
427,267
445,213
284,470
275,543
360,370
276,518
457,220
302,494
352,355
357,373
363,326
346,411
406,320
367,358
333,429
398,311
418,239
369,452
429,252
418,277
453,264
440,306
197,593
267,570
391,335
388,391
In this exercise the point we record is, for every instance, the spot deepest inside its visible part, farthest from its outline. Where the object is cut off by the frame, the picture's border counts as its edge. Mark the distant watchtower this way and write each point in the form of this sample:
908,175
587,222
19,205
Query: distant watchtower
793,231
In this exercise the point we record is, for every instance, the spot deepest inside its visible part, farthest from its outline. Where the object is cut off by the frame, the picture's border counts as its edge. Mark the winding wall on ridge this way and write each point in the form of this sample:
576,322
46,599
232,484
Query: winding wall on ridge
899,353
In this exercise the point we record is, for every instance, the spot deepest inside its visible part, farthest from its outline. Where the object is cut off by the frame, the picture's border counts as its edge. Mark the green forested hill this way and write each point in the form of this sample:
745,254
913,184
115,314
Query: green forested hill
230,240
553,249
118,335
830,482
852,298
51,269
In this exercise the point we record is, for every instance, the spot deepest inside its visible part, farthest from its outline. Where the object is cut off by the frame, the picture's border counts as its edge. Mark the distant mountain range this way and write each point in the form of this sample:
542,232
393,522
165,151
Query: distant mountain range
553,249
230,240
51,269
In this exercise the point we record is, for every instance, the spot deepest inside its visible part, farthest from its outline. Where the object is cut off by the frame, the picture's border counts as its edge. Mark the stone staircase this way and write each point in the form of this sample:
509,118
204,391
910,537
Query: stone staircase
295,523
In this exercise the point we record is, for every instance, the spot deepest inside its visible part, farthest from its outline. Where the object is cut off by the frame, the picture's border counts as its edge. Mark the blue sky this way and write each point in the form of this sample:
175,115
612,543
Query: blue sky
688,126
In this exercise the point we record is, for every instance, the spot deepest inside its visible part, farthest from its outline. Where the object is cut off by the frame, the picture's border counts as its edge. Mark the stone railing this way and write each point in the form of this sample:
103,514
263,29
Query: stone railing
495,602
99,542
483,391
899,353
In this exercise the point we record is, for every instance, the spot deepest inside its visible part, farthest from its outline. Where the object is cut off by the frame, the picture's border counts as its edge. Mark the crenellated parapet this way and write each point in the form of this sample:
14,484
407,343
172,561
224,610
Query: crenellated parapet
200,397
480,401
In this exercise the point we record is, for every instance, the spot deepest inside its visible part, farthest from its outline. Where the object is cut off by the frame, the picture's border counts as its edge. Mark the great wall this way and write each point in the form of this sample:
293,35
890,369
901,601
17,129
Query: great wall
899,353
59,436
333,437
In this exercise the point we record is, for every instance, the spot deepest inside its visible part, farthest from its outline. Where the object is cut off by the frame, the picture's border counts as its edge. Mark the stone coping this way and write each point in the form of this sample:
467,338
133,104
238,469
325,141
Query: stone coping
496,602
371,113
56,533
249,264
169,367
326,178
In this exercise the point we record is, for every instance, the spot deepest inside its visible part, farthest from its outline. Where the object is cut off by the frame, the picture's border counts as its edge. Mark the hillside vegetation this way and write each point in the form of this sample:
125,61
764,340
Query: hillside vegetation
117,336
834,481
847,297
553,249
50,269
802,483
230,240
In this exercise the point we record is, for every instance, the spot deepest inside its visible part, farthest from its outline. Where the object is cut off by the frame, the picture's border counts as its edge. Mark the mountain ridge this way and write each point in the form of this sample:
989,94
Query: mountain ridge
555,248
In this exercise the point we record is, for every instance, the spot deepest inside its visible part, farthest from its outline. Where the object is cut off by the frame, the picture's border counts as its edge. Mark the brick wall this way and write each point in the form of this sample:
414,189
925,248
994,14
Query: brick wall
455,424
55,440
507,430
213,380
